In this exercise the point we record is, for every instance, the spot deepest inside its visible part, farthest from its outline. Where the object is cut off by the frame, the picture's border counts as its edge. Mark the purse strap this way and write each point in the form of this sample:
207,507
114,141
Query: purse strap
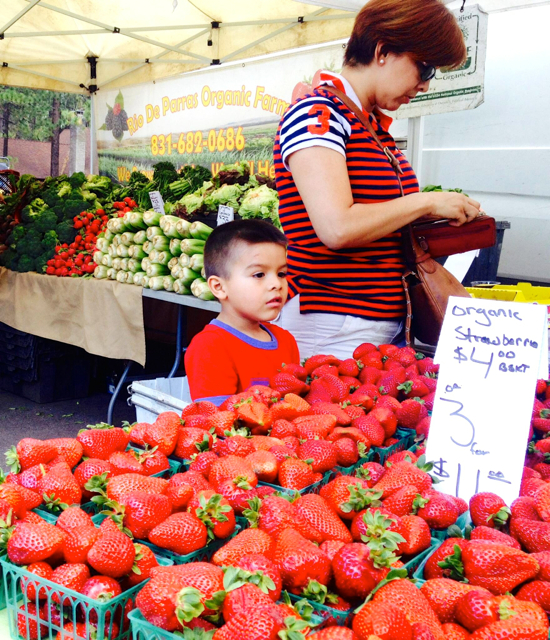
411,248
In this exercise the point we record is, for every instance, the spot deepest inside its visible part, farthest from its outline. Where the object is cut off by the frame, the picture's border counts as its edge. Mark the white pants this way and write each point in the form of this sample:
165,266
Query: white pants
333,334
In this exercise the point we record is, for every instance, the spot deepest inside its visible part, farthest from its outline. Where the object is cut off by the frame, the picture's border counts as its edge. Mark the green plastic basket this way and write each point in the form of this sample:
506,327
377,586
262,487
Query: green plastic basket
328,614
381,454
414,563
143,630
350,471
48,516
418,573
312,488
2,590
73,605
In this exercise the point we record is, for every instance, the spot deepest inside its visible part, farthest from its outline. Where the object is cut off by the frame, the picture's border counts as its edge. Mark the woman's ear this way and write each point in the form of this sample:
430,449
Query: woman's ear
380,54
217,287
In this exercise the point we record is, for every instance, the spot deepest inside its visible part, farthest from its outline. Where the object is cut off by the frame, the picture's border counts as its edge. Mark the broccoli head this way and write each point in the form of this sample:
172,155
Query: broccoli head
30,245
137,178
7,257
100,185
77,180
46,221
33,210
49,241
41,262
64,189
18,233
24,264
65,232
73,207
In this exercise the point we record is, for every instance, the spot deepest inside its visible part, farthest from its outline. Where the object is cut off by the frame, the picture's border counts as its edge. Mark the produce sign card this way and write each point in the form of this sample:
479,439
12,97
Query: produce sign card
157,201
225,214
490,358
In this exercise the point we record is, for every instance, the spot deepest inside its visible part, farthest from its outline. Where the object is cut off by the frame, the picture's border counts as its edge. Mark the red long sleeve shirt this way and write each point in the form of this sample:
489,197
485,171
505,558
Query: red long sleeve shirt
222,361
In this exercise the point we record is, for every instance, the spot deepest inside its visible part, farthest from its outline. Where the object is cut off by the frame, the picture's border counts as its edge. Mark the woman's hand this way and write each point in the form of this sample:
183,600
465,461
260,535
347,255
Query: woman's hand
457,207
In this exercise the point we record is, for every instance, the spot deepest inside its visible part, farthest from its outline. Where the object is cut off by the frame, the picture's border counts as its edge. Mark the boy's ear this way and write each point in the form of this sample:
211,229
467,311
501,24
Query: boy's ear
217,287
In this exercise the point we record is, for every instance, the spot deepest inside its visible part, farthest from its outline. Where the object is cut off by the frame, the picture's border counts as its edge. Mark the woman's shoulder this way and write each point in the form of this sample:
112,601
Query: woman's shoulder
318,96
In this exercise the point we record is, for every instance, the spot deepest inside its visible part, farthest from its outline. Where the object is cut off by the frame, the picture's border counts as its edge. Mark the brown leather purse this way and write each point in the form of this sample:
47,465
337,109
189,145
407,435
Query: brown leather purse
427,284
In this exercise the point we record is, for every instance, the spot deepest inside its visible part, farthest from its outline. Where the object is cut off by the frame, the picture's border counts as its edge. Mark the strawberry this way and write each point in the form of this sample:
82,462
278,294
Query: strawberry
199,421
60,487
422,429
444,594
311,427
369,375
347,453
13,495
221,422
317,511
282,452
125,462
70,576
373,360
531,534
382,620
363,348
183,486
386,417
543,558
415,388
29,587
78,543
144,511
287,383
262,570
100,440
181,533
517,627
346,495
295,474
497,567
144,561
274,514
323,455
446,551
238,492
300,561
281,426
489,510
236,445
153,462
244,543
296,370
321,408
337,390
416,532
28,624
230,468
255,624
401,474
202,462
215,512
264,464
410,413
348,367
69,449
403,501
176,595
254,414
31,543
401,456
389,383
355,575
318,360
439,512
163,433
427,366
494,535
192,440
90,468
112,554
475,609
30,452
136,433
72,518
370,473
412,602
247,597
372,429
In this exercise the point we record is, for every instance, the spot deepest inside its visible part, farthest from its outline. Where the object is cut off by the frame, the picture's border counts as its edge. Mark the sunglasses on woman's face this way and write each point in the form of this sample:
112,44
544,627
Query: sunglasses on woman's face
426,71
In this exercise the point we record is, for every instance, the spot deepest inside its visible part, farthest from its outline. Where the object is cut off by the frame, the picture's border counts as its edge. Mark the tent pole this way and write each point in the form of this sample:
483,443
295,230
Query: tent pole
93,133
415,146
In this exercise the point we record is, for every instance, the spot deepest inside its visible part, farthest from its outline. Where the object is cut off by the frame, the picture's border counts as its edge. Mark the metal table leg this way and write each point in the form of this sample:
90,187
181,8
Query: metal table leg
117,391
181,331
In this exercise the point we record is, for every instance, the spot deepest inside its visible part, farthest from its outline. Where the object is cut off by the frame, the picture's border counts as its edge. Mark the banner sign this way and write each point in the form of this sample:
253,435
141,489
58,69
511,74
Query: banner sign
490,354
458,89
221,115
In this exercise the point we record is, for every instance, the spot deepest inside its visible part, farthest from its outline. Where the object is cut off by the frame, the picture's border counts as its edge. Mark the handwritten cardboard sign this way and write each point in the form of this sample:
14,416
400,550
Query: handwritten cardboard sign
490,355
156,201
225,214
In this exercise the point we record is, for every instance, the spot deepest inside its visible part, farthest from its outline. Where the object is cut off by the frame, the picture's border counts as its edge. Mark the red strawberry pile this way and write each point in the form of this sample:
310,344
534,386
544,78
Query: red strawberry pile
52,474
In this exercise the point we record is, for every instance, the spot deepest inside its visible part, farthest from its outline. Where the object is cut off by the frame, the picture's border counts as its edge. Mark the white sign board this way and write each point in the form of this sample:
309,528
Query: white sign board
490,355
156,201
225,214
459,89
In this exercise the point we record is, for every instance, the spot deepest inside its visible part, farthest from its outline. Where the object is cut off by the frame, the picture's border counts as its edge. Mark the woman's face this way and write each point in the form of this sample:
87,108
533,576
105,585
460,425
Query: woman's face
398,81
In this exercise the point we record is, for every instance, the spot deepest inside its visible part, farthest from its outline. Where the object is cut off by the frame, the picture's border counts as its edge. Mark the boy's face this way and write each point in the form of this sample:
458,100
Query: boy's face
257,288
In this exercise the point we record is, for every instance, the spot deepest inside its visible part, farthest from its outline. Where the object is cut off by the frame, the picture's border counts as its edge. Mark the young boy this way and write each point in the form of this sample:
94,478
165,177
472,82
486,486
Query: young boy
245,263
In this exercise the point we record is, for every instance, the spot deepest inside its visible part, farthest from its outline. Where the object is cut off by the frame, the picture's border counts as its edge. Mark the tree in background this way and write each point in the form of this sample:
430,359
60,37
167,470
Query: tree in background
32,114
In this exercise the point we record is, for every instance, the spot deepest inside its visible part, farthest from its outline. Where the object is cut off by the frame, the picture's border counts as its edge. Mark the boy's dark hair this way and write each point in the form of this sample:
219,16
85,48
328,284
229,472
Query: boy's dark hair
222,241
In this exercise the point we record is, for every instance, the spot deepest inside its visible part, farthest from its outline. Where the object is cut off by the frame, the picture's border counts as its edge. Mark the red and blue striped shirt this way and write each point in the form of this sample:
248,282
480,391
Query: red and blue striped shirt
364,281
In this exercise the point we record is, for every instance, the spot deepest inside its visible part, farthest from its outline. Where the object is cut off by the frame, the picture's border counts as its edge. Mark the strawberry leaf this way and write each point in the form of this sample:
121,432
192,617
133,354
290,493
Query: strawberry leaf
454,565
188,604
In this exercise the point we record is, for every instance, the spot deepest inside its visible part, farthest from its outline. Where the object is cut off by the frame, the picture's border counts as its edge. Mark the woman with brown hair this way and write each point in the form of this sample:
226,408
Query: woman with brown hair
340,203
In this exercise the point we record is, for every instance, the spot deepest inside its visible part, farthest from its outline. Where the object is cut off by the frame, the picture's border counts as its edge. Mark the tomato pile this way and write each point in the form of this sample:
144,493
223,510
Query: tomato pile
123,207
